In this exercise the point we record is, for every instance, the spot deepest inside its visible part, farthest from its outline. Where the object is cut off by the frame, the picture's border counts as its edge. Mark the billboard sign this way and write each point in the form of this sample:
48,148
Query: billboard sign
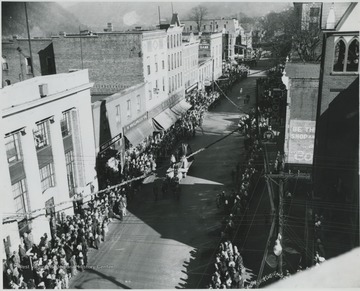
301,142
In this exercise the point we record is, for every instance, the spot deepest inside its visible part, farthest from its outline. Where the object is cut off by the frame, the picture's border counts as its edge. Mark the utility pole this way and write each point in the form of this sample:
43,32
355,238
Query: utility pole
28,32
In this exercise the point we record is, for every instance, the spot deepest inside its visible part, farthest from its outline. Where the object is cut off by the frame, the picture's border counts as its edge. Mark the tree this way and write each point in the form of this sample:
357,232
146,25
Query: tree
198,14
284,35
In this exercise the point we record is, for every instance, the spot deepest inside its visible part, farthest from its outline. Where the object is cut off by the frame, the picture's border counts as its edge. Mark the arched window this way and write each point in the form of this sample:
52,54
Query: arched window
353,56
339,56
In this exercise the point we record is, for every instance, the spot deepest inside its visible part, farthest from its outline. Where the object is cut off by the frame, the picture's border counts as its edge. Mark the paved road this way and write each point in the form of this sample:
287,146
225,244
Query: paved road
170,244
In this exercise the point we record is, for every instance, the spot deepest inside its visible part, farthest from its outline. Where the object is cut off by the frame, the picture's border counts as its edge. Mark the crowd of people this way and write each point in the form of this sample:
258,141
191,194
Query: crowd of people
229,268
54,261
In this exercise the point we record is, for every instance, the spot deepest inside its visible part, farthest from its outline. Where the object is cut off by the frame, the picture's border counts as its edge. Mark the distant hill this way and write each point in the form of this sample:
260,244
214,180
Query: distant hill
45,19
124,15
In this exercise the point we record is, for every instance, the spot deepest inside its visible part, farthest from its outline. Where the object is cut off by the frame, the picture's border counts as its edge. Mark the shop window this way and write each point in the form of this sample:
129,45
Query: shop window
41,135
12,145
352,64
47,177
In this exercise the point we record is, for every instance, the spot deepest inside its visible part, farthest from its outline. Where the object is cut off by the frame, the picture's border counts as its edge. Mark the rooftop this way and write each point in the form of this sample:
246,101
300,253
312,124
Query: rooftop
339,9
302,70
28,91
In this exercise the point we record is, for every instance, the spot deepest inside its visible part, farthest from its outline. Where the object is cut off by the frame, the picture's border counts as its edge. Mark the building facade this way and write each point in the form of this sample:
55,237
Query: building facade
228,26
190,62
49,146
17,63
336,150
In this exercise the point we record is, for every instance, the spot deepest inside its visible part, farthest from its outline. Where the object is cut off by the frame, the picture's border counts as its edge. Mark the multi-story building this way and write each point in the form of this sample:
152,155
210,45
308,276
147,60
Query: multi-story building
118,60
211,46
174,56
228,26
205,72
50,151
336,149
17,63
190,62
308,15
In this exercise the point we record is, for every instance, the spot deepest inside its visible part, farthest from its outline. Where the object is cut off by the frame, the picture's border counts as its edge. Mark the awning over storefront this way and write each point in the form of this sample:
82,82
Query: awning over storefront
137,134
181,107
165,119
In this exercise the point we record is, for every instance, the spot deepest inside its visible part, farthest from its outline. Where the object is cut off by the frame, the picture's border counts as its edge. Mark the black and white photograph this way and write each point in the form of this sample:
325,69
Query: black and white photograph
180,145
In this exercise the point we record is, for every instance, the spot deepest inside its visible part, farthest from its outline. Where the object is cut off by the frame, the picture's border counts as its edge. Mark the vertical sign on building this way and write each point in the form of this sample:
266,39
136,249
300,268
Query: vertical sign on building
301,142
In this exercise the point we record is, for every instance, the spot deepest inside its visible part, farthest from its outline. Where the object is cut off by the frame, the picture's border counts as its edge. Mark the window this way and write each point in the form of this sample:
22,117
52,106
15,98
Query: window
118,114
204,27
190,27
176,81
163,64
12,145
41,135
148,69
7,82
168,42
169,85
65,124
217,26
339,56
47,177
28,65
70,172
171,41
180,58
156,67
5,65
352,64
225,26
172,61
138,104
179,80
169,63
163,83
179,42
128,108
211,27
173,84
20,196
50,206
156,84
314,11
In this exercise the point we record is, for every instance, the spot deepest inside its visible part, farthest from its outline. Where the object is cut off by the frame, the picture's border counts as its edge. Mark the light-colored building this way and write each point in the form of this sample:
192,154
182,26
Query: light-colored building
229,26
174,56
211,46
49,146
205,72
190,61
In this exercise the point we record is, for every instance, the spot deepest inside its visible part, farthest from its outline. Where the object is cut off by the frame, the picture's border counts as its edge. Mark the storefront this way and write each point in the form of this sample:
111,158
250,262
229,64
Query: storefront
138,130
181,107
165,120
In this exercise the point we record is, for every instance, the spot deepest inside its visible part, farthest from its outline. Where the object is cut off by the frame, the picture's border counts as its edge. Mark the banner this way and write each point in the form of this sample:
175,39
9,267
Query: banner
301,142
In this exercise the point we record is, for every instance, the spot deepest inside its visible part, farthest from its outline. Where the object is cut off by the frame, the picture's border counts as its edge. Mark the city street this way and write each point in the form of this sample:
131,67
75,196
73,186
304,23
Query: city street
169,243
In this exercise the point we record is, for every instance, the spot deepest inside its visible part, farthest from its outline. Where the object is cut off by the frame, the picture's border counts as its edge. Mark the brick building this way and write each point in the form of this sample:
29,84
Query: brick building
302,83
118,60
50,151
16,60
336,151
